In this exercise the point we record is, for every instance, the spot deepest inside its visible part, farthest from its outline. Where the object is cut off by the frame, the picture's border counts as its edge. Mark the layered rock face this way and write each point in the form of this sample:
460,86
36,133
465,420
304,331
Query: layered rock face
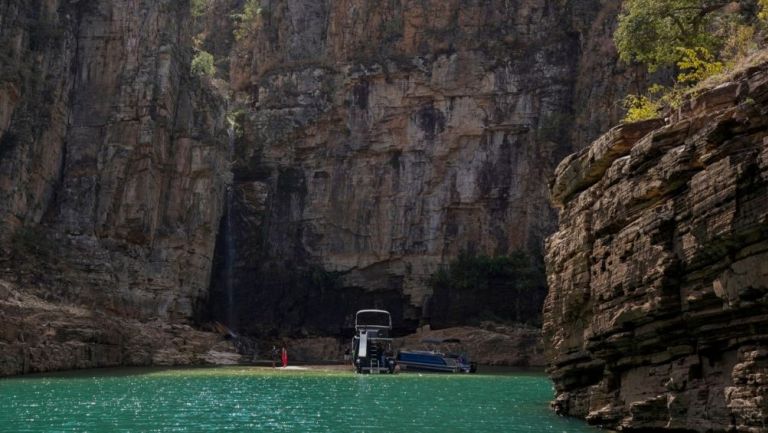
372,143
657,315
113,161
380,140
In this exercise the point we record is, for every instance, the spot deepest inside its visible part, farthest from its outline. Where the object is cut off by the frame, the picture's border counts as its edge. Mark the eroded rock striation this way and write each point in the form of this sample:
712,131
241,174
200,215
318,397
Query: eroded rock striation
657,315
113,164
372,142
381,139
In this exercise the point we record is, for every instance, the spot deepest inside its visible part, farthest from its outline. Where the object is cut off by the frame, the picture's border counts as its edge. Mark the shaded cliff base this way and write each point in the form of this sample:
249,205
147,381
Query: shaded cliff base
491,344
39,336
657,315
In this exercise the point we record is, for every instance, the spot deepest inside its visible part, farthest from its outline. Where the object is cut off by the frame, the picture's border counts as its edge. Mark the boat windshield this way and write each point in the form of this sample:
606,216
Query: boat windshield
377,318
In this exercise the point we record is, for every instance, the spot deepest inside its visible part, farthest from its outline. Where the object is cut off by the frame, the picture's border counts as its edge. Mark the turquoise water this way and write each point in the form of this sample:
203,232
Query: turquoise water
244,399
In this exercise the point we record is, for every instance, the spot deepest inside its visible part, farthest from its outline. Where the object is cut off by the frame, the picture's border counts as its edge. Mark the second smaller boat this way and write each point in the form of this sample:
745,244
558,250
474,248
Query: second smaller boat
435,359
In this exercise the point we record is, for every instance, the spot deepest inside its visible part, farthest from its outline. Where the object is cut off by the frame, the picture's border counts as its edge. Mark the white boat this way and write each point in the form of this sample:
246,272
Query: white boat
372,344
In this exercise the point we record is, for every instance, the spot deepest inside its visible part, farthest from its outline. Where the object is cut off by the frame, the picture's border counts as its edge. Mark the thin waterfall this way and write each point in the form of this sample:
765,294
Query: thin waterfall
229,243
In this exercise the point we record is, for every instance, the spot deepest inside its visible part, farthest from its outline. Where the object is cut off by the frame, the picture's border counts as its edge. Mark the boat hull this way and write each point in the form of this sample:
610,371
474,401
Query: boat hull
431,362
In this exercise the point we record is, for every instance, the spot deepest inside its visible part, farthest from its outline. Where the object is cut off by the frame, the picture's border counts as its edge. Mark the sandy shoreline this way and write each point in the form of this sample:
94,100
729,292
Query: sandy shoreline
259,367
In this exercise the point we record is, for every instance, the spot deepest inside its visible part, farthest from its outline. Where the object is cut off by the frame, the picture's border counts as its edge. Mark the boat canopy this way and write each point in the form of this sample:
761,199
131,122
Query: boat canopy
373,319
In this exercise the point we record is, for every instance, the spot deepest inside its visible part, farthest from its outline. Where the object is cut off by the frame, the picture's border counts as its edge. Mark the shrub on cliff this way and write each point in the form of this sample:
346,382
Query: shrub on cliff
697,39
763,14
474,288
203,64
245,19
199,7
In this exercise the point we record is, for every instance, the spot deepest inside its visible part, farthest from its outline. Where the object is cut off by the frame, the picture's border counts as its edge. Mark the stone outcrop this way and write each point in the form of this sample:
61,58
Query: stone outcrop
657,315
39,336
489,345
113,165
381,139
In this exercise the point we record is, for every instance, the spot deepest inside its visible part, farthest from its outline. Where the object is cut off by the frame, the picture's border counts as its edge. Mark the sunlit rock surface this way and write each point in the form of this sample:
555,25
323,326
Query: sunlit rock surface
380,139
373,142
657,315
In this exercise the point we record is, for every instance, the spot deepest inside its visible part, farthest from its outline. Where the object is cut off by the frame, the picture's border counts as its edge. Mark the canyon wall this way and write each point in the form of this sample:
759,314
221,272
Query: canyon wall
657,314
377,140
113,164
368,143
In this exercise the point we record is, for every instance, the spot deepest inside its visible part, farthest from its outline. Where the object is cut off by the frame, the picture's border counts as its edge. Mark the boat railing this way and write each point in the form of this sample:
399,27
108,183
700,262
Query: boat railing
356,337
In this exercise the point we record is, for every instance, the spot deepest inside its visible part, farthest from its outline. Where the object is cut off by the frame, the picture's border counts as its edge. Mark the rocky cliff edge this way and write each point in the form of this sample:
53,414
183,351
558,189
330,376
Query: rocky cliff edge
657,315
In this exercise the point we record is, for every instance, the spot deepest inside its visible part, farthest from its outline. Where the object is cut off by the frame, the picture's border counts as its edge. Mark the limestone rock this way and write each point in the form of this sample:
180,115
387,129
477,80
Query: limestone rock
383,141
491,344
113,163
658,305
38,336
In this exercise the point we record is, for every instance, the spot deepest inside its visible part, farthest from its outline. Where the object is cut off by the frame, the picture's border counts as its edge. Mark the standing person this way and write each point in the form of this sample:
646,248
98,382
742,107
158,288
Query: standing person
284,355
274,356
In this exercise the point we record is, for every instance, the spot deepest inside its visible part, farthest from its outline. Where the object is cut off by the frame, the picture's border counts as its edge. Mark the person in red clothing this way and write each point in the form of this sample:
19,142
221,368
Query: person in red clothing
284,356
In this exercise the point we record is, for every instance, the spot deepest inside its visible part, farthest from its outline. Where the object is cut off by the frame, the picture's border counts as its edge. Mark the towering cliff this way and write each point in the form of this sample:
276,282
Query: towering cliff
380,139
657,315
112,170
369,144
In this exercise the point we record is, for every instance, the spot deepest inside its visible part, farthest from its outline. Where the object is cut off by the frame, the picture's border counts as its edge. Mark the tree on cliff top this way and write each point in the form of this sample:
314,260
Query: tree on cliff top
654,32
696,39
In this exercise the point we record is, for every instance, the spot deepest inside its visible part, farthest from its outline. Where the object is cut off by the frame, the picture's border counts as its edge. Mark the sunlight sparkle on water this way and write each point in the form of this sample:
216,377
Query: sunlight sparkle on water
245,399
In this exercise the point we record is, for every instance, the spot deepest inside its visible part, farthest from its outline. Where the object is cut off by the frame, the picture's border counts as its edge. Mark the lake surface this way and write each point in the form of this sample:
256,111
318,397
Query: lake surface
250,399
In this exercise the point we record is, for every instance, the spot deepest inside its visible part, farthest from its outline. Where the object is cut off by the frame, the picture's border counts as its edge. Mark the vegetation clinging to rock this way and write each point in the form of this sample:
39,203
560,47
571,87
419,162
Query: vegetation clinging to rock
473,288
697,39
245,19
203,64
652,31
199,7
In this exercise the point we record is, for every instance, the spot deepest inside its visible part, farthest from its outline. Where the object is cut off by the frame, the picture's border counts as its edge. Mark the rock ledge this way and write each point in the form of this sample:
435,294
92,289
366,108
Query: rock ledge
657,316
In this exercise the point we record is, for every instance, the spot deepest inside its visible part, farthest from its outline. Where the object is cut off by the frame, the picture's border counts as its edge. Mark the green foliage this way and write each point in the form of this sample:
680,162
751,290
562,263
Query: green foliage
641,107
203,64
741,41
698,39
235,120
244,20
479,287
697,64
199,7
652,31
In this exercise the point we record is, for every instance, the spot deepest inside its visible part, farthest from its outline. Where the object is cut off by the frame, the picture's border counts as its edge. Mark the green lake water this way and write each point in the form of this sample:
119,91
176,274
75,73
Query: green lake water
245,399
